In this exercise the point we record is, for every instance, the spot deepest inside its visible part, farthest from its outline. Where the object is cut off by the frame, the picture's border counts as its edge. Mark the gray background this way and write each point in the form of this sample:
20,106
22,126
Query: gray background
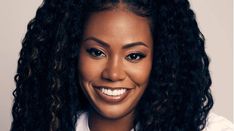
214,19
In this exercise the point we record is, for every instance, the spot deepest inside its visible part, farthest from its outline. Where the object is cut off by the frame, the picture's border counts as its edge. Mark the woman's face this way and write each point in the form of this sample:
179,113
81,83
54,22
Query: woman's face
115,61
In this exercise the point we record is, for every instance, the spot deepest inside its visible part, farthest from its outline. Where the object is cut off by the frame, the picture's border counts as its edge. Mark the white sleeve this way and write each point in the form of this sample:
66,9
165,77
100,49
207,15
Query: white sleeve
218,123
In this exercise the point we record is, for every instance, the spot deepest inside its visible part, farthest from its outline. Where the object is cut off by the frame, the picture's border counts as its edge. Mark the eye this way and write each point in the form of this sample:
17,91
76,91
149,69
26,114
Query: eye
134,57
95,52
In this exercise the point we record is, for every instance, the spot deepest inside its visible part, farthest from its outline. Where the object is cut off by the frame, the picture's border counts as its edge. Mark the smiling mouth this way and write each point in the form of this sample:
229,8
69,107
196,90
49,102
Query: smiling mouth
113,92
111,95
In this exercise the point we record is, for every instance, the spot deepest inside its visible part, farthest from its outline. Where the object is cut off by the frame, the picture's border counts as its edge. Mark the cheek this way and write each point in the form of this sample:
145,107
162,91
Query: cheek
89,69
139,74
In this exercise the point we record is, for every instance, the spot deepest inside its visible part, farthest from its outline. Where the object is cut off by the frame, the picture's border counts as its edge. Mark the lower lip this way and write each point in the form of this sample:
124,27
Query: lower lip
111,99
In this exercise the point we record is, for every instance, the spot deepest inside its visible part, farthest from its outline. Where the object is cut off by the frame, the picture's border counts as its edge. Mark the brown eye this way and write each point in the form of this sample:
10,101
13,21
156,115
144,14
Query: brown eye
95,52
135,56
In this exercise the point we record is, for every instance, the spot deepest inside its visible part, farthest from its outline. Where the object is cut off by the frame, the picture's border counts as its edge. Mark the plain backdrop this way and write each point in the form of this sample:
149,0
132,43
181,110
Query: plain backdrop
214,19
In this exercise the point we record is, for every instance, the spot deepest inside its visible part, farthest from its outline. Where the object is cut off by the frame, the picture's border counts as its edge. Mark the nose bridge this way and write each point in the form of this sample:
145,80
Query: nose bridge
114,70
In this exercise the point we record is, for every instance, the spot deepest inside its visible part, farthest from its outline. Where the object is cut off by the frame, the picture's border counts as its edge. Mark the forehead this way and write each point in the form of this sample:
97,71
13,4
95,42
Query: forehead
118,26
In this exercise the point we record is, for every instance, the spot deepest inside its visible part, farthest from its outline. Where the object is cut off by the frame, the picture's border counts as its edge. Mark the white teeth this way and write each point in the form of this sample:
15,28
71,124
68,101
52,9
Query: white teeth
114,92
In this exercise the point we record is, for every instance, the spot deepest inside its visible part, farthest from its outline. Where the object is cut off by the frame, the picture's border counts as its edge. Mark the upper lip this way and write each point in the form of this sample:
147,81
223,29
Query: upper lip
108,87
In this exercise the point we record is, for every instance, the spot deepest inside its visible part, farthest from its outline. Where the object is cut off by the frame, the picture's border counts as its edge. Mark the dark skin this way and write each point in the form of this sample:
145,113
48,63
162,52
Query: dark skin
99,123
115,61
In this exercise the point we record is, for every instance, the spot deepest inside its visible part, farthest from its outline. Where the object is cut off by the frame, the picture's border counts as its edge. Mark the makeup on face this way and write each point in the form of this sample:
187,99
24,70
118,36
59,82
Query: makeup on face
115,61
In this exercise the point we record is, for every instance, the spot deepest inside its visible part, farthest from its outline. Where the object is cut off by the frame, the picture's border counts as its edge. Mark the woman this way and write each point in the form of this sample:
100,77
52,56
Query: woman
113,65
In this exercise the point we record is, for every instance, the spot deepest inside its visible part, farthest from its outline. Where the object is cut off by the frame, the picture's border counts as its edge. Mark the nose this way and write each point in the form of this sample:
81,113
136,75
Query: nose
114,71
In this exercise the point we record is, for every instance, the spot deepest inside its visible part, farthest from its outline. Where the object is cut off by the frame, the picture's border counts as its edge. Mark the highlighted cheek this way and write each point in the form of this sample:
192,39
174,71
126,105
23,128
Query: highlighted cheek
88,72
139,76
90,69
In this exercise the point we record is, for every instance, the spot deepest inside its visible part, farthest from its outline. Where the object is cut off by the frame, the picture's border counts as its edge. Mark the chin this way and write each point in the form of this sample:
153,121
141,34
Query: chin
113,113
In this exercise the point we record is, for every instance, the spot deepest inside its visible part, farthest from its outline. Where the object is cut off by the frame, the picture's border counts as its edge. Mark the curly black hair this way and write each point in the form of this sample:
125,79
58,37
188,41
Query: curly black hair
48,96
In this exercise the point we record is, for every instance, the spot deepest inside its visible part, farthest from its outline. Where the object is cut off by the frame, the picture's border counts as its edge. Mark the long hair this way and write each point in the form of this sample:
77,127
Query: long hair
48,96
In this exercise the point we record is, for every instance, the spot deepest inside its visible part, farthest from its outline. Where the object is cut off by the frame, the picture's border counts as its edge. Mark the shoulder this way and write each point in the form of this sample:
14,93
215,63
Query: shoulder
218,123
82,122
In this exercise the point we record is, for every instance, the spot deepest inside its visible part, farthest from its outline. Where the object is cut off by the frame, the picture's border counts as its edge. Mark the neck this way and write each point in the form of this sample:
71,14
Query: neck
100,123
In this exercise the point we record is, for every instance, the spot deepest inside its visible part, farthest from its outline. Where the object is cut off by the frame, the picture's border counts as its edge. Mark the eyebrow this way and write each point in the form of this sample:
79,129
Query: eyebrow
105,44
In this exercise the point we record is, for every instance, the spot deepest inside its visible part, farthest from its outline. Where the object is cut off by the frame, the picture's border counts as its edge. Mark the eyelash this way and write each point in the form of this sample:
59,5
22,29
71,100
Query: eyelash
132,57
138,56
95,52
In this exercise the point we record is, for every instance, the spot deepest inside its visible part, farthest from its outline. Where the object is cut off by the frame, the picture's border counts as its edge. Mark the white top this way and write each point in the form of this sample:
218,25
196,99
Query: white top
214,123
218,123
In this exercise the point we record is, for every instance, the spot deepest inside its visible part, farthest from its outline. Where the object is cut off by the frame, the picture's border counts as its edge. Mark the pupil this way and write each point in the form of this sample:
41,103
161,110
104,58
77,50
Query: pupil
98,53
134,56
